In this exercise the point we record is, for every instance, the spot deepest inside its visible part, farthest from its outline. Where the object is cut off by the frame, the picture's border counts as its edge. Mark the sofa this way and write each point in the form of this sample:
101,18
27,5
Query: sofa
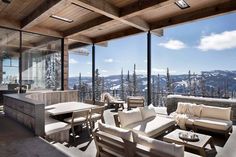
203,117
114,141
144,121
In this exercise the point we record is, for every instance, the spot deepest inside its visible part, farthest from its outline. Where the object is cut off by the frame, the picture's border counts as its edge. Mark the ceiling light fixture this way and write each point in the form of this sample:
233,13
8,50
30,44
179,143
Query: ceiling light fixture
61,18
182,4
7,1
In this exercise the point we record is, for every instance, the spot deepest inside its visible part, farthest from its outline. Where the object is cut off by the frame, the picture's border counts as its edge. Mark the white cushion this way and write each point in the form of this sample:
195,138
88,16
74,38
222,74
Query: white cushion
122,133
152,126
160,146
213,123
76,120
216,112
147,113
158,110
53,125
182,107
129,117
194,109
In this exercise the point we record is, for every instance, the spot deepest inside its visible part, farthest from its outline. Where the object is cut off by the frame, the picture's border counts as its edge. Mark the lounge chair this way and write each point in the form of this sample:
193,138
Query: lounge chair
110,100
135,101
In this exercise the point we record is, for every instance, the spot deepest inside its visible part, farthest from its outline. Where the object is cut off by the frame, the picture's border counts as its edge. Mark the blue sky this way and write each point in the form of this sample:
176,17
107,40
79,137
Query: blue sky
198,46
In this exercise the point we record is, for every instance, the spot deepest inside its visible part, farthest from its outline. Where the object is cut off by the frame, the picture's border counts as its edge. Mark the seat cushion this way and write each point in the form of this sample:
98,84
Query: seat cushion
122,133
147,112
129,117
193,109
216,112
152,126
76,120
96,116
182,107
213,123
160,146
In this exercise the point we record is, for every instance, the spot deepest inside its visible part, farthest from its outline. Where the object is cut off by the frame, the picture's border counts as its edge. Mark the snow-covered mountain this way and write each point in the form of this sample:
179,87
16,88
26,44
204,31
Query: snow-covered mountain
212,79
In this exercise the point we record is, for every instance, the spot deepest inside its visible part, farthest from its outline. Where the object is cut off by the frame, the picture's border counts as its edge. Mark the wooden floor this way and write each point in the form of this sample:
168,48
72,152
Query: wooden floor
84,145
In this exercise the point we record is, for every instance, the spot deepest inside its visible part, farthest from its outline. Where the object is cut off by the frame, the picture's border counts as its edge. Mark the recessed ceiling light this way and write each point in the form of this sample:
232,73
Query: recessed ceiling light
61,18
182,4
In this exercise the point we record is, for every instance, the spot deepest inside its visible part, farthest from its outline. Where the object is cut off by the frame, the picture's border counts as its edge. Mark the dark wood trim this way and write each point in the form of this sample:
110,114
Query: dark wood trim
93,71
20,63
149,67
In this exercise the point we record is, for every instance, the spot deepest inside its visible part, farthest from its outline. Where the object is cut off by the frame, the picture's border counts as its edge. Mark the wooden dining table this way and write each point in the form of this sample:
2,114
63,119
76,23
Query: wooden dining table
67,107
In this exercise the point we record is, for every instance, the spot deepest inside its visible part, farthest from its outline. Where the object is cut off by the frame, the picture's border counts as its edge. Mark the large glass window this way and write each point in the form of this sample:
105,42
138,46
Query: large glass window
121,68
41,62
9,59
196,59
80,71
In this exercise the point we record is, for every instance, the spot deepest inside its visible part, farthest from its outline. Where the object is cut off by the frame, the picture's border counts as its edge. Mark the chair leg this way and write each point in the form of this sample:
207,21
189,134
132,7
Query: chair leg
73,131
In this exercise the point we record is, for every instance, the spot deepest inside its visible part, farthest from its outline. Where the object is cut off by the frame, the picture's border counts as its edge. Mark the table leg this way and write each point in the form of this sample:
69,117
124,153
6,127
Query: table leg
202,152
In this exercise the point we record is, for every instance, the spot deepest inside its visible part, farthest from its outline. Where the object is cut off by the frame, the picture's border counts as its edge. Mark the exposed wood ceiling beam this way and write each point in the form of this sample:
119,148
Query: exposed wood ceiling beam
45,31
81,39
125,15
46,9
90,24
9,23
76,45
117,34
195,15
143,6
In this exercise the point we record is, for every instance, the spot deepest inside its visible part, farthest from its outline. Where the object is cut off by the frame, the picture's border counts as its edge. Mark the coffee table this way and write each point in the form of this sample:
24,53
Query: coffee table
200,146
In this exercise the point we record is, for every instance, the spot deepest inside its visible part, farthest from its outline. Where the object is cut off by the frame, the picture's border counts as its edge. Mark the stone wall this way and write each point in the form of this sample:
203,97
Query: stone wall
54,97
25,111
172,101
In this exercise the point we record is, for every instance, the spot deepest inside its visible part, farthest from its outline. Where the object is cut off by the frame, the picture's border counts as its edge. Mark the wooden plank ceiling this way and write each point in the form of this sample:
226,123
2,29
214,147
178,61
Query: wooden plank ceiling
96,21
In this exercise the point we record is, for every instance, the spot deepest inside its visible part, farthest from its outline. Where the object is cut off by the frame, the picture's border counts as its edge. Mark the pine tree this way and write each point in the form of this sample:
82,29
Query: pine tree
168,82
103,84
129,84
153,91
189,83
122,85
194,92
203,86
80,82
97,85
134,81
172,86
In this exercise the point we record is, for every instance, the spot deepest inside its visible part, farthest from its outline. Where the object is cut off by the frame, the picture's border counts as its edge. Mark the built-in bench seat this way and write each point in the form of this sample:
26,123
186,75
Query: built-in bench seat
56,130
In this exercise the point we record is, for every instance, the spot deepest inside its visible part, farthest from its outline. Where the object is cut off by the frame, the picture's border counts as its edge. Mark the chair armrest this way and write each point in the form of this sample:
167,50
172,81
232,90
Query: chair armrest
116,119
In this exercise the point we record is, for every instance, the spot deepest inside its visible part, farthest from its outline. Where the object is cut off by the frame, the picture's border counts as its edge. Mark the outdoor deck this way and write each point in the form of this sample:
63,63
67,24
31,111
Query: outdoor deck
17,141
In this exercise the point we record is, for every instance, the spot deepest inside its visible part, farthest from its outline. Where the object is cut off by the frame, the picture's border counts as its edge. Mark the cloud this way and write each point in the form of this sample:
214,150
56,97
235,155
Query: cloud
104,71
109,60
89,63
218,42
145,61
173,45
73,61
